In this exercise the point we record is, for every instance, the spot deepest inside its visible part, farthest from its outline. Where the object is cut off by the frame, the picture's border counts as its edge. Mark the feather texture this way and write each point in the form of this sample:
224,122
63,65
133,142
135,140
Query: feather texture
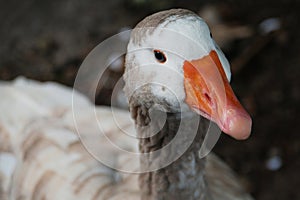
42,157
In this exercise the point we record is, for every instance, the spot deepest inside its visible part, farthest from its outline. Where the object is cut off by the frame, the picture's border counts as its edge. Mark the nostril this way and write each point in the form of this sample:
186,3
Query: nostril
208,98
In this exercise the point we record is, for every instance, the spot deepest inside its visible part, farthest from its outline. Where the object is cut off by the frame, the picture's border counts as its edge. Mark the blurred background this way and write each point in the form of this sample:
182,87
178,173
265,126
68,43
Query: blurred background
48,40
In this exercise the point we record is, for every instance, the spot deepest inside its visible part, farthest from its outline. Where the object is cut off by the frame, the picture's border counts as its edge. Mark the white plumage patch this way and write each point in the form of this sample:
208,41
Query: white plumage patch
184,39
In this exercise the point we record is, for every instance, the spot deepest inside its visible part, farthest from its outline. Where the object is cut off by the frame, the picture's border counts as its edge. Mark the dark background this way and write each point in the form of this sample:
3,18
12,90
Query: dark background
47,40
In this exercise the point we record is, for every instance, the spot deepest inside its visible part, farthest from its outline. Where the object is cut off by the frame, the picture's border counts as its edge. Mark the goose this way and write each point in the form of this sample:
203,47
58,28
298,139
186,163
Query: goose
177,83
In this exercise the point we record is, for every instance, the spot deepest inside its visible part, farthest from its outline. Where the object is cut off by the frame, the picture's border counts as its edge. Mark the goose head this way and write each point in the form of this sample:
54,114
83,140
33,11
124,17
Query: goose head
172,62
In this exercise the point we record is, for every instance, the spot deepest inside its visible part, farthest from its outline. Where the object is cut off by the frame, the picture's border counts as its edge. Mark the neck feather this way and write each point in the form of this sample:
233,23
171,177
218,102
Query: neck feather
183,178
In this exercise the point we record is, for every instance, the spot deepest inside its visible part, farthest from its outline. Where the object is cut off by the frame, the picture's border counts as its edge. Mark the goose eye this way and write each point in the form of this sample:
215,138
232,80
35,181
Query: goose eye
211,35
160,56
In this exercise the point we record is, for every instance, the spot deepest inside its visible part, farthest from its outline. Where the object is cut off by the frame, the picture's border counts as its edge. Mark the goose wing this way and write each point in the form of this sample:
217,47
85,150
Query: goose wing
41,155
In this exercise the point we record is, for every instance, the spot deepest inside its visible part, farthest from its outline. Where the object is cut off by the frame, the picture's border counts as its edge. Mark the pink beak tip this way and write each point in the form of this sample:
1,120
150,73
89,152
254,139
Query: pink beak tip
240,127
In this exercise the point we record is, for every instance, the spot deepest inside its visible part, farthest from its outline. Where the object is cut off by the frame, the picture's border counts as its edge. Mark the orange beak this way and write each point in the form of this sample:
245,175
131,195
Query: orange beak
209,93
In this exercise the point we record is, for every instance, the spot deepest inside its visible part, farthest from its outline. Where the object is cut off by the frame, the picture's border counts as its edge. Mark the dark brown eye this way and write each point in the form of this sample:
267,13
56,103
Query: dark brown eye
160,56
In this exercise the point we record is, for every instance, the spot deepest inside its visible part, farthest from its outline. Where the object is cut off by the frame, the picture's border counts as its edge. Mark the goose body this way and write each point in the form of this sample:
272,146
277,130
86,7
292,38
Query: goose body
44,155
